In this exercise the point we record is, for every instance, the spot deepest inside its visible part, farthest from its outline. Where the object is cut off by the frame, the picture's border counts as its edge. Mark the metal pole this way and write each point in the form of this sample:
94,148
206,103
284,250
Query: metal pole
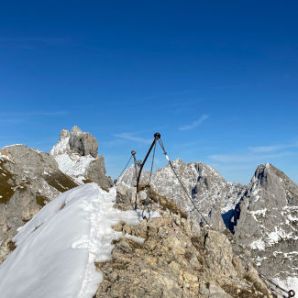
156,138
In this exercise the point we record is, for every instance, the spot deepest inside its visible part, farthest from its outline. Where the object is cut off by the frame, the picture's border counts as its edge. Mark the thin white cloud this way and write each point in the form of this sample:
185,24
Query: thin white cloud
273,148
127,136
246,157
257,153
16,118
195,123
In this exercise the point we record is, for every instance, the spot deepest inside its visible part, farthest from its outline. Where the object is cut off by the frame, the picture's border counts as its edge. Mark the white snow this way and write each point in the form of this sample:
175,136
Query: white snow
12,145
71,163
256,193
290,283
57,249
290,255
292,218
258,244
74,165
63,145
260,213
277,235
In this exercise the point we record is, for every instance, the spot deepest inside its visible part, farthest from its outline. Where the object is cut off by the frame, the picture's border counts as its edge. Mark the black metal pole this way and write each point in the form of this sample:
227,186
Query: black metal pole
156,138
133,153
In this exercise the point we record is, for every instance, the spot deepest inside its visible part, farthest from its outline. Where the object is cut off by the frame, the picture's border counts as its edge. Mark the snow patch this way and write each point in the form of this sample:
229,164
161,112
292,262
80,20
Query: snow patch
13,145
62,146
260,212
258,244
292,218
57,250
290,283
277,235
74,165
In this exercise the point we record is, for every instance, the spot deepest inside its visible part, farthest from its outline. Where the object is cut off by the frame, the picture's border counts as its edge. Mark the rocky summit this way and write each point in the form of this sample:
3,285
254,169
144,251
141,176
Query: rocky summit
77,156
196,236
268,224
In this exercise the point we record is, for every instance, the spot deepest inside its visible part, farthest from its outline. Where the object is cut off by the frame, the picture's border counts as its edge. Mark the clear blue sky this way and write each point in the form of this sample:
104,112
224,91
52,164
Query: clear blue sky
218,79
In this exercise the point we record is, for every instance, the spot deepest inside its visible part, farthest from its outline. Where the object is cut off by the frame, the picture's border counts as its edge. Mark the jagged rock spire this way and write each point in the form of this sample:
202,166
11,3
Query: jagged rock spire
76,141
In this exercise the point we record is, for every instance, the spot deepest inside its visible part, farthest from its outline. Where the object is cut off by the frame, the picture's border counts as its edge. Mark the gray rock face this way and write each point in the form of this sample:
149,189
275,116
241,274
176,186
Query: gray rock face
96,172
83,143
268,223
209,191
28,180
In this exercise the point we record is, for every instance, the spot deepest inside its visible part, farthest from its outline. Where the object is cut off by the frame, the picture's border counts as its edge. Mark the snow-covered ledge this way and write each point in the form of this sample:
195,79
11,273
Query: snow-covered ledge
57,249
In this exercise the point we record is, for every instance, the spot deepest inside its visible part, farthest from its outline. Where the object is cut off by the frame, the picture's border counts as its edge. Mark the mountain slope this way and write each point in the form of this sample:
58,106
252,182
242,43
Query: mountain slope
28,180
56,251
268,224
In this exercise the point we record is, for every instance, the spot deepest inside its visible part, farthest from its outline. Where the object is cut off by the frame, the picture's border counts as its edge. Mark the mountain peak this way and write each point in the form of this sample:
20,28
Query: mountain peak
76,141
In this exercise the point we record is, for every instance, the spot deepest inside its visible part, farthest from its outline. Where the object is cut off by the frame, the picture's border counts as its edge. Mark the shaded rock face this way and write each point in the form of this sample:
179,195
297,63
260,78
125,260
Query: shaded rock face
164,258
83,143
76,155
28,180
268,223
96,172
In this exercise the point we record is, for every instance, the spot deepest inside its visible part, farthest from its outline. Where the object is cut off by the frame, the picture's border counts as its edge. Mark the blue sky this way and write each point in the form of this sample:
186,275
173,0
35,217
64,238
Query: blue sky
218,79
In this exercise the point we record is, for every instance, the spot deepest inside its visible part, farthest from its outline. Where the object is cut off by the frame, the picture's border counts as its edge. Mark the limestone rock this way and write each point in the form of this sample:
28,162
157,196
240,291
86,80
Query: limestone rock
267,226
96,172
174,262
210,193
83,143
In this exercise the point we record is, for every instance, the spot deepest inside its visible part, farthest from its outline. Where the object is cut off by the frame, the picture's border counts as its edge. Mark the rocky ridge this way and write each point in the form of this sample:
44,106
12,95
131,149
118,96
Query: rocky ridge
268,224
253,224
163,257
28,180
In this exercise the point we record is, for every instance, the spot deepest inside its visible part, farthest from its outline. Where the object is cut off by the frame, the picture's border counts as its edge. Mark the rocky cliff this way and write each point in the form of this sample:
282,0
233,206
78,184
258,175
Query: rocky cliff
268,224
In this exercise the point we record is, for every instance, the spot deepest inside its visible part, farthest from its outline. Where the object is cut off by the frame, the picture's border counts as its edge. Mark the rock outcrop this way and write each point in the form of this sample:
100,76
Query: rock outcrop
82,143
77,156
164,257
28,180
209,191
